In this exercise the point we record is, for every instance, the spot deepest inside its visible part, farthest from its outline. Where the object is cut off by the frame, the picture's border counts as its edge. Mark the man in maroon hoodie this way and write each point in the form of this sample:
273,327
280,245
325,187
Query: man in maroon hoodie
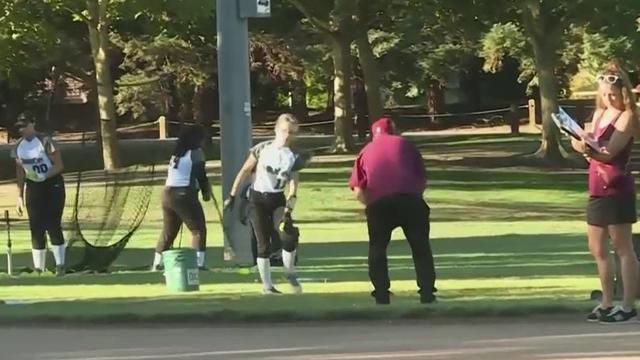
389,178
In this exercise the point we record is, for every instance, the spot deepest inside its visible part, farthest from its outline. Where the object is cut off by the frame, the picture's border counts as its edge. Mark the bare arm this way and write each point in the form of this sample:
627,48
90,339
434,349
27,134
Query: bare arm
58,165
293,191
293,185
619,139
20,175
244,172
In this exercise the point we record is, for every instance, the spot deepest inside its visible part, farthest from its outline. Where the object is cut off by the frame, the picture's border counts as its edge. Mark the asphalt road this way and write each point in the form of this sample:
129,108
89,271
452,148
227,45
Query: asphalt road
491,339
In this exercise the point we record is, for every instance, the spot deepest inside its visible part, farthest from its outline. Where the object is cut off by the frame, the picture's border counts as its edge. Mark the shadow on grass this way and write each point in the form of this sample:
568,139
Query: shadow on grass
457,258
216,309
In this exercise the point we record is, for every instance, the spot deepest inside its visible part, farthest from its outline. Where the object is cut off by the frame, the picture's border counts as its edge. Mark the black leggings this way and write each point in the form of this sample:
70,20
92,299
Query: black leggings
411,213
45,205
181,205
262,209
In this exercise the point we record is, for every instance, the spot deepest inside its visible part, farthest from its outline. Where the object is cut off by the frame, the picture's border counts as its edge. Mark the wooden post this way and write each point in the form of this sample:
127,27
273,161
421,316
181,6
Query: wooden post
4,136
162,127
532,112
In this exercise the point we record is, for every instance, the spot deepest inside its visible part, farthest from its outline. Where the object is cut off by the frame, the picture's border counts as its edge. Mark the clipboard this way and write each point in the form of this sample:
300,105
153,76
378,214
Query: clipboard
570,127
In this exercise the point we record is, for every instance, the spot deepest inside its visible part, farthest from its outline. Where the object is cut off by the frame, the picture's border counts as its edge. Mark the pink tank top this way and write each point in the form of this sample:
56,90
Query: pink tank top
612,178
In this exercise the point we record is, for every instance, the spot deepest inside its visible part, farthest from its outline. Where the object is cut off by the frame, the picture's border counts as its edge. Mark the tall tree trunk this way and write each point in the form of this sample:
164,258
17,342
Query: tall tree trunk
343,127
299,99
435,99
544,33
371,75
550,148
99,39
330,98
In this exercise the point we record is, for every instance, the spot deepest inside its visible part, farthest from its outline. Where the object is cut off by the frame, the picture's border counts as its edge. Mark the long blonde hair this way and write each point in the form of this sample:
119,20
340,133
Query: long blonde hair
628,97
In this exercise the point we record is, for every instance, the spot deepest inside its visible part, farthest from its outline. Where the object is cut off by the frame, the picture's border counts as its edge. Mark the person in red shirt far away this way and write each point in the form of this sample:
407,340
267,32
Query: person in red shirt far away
389,178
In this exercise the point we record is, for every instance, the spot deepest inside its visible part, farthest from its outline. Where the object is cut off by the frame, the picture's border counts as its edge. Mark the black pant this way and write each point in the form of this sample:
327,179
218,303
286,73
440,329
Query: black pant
262,208
181,205
45,205
411,213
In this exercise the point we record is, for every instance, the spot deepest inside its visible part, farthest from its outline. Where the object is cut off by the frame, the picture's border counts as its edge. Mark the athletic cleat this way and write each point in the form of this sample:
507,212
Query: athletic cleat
295,284
203,268
619,316
598,313
60,271
271,291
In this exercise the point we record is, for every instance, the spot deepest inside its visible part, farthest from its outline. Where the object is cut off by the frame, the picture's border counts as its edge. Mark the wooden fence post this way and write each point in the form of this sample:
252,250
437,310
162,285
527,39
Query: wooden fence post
532,112
162,127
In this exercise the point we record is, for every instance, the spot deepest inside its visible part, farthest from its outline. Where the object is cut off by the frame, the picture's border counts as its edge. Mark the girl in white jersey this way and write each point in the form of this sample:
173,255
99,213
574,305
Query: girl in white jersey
39,177
186,176
276,166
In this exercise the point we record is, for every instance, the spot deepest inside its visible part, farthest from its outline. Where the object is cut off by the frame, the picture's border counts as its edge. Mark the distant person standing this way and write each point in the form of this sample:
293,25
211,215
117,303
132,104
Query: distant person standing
611,210
389,178
41,187
186,177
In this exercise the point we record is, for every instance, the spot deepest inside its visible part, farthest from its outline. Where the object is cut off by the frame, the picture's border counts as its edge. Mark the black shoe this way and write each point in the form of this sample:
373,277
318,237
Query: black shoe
619,316
598,313
382,297
271,291
427,298
60,271
156,268
203,268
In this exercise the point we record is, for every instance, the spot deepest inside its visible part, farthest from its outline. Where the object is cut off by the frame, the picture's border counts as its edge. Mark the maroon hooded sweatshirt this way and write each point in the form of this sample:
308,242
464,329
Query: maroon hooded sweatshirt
388,165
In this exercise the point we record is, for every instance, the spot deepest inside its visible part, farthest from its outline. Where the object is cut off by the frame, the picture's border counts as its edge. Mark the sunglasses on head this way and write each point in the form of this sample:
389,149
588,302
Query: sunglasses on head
609,79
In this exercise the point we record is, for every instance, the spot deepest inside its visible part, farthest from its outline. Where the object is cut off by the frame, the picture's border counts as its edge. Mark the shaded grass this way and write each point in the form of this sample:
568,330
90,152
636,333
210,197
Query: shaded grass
508,241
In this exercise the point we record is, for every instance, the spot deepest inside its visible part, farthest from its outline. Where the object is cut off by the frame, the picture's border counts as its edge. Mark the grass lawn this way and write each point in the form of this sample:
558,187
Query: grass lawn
508,239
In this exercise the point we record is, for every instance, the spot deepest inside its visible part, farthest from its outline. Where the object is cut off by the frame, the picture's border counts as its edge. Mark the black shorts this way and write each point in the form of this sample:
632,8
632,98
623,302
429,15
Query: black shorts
612,210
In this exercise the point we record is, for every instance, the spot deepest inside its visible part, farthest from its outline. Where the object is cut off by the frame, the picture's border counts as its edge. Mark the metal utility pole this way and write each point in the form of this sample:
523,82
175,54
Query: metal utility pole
235,110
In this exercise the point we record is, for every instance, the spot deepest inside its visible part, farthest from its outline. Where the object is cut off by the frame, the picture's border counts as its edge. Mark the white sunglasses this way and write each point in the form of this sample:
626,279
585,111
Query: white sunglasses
609,79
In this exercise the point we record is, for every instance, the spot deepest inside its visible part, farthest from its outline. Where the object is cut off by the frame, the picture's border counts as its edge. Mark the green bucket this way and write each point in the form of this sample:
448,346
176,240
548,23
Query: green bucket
181,270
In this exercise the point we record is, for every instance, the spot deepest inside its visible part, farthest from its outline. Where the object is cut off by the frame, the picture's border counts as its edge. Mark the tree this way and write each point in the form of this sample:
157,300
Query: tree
549,29
95,15
366,16
162,71
419,44
336,24
98,25
33,39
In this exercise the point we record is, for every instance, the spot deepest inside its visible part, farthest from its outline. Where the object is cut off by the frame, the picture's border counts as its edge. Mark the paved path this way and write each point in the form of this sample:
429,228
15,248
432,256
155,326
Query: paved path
506,339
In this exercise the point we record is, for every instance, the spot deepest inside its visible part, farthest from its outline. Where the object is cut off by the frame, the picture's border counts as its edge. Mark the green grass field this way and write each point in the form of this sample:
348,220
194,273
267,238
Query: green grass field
508,239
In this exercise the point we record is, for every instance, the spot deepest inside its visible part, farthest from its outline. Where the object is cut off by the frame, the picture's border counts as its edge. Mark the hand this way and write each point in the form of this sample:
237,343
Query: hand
206,196
20,206
228,203
579,145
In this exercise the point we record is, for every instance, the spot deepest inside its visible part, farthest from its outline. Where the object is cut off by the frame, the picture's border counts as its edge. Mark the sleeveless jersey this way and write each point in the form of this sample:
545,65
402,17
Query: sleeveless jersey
181,171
